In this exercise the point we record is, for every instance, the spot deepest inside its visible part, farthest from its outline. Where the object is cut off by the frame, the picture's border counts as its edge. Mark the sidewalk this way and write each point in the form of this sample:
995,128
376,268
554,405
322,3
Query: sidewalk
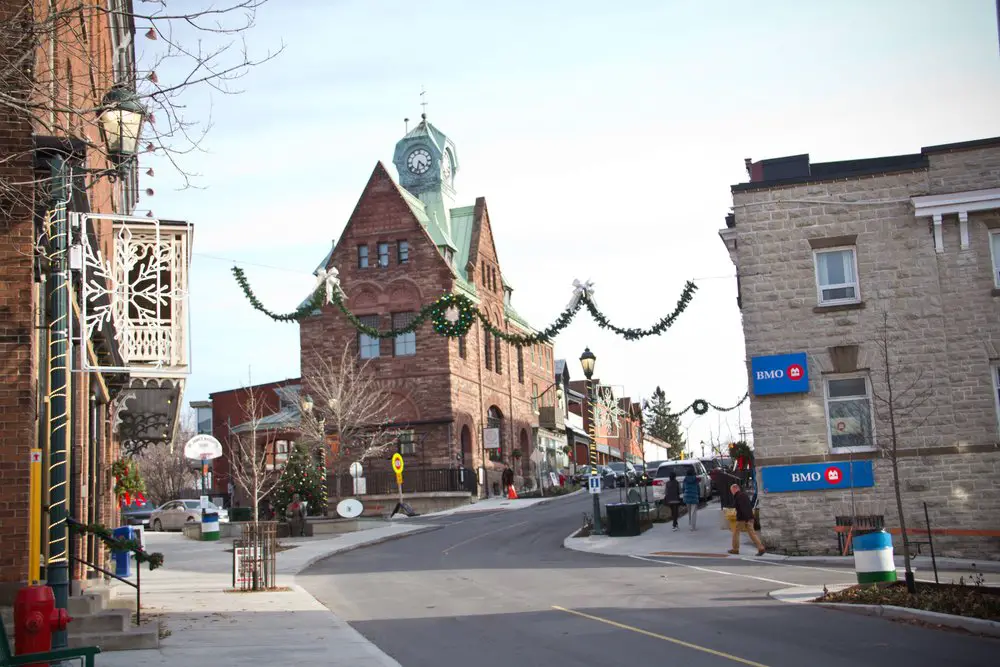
710,541
202,624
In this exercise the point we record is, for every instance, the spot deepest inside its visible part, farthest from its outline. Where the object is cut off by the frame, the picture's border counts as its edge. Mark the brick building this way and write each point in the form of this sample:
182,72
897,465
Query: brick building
55,150
822,250
404,245
617,426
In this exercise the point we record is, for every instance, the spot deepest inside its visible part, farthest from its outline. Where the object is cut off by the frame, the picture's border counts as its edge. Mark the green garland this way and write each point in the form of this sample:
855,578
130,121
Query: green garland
700,406
155,560
437,311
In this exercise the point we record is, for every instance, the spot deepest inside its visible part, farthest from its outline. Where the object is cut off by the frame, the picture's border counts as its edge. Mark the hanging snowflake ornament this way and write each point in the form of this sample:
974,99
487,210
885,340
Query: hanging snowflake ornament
607,412
452,315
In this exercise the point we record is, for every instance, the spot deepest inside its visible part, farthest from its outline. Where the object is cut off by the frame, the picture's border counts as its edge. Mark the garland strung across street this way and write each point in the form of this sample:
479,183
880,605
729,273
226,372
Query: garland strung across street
452,315
700,406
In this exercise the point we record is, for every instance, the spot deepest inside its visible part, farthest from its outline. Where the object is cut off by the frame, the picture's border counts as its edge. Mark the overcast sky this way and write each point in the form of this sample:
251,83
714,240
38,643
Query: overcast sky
603,135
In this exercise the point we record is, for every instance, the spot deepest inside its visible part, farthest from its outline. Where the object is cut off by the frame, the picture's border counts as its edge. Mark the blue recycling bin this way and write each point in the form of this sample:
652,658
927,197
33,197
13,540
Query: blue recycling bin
123,559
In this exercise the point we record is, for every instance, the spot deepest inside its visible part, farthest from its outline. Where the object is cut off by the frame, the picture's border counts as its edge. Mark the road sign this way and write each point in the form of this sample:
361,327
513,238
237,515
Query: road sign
399,478
203,447
397,463
594,484
356,470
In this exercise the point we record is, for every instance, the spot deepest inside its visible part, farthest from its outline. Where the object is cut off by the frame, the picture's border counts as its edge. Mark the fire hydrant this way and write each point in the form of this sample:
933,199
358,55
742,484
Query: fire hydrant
35,619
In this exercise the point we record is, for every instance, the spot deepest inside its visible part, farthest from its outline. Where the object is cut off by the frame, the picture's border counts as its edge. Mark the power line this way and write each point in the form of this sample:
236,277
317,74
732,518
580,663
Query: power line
245,263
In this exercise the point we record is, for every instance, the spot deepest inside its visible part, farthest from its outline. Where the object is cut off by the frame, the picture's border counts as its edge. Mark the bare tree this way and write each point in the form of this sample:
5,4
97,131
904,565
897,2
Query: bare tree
251,456
164,468
345,412
59,57
900,400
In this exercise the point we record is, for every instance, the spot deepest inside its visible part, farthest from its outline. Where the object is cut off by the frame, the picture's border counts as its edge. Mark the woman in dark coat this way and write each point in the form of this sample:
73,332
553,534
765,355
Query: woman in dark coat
672,497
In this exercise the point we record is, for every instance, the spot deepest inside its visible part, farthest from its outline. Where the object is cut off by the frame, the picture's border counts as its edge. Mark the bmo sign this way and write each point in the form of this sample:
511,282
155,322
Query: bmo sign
817,477
779,374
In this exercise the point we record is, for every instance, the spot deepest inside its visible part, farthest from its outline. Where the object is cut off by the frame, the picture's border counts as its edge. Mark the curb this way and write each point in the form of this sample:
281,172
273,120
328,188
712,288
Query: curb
977,626
352,547
923,562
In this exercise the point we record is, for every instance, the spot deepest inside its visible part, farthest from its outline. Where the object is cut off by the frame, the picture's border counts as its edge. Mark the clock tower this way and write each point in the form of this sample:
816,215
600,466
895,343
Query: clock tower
427,163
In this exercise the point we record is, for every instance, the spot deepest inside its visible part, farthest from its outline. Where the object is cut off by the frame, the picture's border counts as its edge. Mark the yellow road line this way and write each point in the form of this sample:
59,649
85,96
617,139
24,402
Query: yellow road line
721,654
473,539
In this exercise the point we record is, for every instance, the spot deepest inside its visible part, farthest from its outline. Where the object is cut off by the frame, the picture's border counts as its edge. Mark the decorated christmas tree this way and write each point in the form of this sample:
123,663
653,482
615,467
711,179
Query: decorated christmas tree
304,476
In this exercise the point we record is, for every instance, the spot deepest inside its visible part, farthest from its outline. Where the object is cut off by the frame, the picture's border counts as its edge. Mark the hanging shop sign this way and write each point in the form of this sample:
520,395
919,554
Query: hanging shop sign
817,476
779,374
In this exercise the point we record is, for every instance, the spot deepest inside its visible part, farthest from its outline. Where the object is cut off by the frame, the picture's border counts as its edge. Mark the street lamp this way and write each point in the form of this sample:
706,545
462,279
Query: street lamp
120,118
588,360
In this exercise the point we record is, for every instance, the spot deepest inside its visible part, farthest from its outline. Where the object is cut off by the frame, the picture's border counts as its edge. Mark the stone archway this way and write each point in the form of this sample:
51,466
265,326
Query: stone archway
466,441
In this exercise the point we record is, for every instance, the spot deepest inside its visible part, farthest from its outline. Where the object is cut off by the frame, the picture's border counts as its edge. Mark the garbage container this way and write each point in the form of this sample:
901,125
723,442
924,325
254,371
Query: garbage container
873,561
210,526
123,559
623,519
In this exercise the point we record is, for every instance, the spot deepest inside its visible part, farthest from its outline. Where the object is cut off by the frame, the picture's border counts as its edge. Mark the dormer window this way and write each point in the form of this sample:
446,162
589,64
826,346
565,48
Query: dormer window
506,296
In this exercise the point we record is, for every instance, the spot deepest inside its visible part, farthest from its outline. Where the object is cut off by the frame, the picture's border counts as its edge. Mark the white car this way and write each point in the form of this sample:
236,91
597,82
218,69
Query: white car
175,514
681,468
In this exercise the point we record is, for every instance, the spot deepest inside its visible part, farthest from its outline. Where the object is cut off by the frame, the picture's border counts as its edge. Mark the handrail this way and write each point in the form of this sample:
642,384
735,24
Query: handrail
137,585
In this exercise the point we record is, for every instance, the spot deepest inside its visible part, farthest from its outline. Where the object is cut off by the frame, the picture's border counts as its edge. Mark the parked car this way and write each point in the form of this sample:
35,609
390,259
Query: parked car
641,477
681,469
624,473
717,467
138,515
176,513
581,474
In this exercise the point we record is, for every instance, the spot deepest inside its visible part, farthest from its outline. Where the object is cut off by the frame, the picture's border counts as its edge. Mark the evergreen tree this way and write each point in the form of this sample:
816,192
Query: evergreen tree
304,476
660,423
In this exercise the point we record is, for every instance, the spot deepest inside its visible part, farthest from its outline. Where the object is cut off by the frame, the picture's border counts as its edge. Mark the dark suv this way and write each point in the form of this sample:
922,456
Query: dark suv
717,469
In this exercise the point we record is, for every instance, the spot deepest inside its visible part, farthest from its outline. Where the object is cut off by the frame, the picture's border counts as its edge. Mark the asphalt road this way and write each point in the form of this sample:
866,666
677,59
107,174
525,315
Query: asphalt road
499,590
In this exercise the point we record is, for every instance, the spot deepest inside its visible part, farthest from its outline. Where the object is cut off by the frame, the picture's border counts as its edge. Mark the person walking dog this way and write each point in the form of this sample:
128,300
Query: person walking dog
672,497
692,496
744,519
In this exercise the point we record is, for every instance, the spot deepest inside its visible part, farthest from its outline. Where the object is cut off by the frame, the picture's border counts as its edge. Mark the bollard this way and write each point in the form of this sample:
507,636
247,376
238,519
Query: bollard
873,560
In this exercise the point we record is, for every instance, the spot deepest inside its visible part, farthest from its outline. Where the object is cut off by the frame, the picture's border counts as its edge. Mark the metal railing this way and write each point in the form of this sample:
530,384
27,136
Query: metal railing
137,585
415,480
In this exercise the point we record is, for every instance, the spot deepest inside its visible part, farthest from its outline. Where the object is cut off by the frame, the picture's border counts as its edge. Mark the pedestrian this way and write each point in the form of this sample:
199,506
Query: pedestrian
692,496
672,497
744,520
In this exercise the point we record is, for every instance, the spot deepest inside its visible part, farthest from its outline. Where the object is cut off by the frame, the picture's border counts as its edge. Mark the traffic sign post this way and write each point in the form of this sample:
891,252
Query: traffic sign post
397,466
594,484
35,517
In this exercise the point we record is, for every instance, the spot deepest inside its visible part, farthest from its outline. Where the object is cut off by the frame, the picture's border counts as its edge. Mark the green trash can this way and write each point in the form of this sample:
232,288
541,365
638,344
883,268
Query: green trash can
623,519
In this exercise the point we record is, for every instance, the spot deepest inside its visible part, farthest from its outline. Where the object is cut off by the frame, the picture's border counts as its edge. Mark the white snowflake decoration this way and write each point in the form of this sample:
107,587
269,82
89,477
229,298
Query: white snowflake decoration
607,412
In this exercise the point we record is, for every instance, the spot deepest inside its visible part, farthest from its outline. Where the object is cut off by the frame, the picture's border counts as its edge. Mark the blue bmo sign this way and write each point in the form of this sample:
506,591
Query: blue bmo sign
817,477
779,374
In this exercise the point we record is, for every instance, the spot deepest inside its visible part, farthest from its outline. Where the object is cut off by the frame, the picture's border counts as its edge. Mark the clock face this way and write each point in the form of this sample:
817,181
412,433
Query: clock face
446,168
419,161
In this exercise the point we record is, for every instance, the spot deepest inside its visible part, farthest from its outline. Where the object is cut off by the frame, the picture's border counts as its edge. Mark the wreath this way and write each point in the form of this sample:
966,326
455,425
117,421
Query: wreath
128,482
700,406
741,454
452,315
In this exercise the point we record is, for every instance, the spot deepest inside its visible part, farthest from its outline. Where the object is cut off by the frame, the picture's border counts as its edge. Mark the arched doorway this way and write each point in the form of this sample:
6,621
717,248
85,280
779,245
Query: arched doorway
466,440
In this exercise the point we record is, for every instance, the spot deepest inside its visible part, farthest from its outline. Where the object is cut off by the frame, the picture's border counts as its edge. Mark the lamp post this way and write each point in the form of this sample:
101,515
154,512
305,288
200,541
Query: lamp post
588,360
120,119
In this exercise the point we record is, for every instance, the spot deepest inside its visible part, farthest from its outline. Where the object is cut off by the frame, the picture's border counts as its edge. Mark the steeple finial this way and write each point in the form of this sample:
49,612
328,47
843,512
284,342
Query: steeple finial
423,102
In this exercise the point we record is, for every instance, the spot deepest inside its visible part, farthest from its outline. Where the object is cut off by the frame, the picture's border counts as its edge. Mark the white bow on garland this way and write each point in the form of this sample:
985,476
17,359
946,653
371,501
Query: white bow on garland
581,290
329,278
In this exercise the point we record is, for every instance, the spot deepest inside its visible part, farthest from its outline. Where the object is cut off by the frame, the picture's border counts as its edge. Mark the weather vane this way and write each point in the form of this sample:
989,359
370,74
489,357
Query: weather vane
423,102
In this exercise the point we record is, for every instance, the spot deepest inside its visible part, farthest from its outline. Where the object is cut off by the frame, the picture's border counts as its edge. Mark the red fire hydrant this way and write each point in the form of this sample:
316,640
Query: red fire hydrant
35,619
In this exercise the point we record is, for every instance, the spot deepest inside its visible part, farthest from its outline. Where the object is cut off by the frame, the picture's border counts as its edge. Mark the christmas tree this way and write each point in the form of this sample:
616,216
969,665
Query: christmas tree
305,476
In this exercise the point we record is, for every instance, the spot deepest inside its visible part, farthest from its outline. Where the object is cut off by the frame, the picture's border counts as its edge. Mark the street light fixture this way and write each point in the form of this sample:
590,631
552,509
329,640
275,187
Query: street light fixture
120,119
588,360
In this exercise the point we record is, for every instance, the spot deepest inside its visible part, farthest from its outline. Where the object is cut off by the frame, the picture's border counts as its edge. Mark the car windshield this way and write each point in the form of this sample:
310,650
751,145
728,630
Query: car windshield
620,467
679,469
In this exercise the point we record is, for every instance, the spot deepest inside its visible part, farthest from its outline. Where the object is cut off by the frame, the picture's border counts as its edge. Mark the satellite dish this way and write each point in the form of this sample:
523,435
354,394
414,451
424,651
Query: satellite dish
350,508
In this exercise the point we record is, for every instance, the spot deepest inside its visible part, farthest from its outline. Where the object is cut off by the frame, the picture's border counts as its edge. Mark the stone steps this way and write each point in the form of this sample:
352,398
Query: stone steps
132,639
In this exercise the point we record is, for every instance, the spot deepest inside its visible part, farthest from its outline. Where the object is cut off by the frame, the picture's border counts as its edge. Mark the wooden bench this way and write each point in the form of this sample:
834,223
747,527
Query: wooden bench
8,659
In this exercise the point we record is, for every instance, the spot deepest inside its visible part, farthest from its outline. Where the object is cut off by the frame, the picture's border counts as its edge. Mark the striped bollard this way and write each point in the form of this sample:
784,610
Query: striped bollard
873,558
209,527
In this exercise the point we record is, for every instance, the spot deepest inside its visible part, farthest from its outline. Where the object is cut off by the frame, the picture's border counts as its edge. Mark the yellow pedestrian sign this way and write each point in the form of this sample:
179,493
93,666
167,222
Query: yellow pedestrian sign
397,464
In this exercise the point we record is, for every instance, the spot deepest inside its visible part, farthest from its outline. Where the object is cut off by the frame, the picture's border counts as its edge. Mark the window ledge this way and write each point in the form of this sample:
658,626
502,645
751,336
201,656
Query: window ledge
833,308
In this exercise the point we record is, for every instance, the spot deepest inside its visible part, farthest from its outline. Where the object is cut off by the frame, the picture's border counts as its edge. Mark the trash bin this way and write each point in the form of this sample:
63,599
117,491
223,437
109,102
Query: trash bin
873,561
209,526
623,519
123,559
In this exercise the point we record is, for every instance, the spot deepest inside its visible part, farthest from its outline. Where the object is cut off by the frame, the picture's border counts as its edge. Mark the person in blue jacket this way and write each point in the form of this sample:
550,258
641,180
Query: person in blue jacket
692,496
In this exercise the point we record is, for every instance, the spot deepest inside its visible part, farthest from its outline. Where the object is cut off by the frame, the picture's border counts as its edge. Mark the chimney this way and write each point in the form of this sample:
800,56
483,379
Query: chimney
748,163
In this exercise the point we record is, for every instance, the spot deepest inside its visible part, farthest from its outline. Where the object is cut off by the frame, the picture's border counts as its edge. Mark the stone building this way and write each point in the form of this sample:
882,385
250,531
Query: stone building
825,253
404,245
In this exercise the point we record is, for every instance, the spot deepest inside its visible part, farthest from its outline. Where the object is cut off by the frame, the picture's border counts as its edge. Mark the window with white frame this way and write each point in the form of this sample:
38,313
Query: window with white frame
995,251
279,454
405,343
368,346
837,276
407,444
849,413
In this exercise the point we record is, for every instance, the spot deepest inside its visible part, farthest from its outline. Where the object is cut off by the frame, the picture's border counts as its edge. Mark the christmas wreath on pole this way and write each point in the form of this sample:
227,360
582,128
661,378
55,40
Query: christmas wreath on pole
128,482
741,455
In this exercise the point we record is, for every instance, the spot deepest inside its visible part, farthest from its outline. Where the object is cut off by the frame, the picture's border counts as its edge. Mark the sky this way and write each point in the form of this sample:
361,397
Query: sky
604,137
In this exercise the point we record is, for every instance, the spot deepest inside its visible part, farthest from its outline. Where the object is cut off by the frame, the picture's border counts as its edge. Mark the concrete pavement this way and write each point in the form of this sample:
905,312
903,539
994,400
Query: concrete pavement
202,623
496,589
